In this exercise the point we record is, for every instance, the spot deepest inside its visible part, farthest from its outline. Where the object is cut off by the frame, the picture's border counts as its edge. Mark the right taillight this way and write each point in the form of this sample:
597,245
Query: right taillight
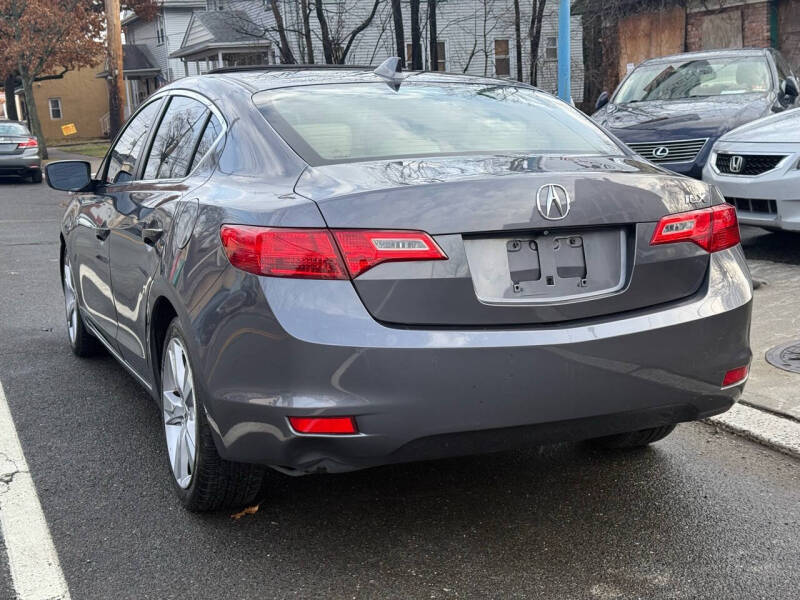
713,229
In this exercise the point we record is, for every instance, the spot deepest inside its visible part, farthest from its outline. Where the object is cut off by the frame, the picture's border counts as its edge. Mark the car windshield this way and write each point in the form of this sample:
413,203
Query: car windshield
13,129
696,79
353,122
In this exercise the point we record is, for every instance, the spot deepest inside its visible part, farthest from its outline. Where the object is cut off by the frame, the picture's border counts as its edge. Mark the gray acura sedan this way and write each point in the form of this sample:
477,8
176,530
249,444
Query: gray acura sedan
319,270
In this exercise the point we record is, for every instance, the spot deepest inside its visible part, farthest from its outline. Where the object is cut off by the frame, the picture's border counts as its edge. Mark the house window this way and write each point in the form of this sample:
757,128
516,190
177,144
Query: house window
215,4
160,35
551,48
502,63
55,108
441,57
409,55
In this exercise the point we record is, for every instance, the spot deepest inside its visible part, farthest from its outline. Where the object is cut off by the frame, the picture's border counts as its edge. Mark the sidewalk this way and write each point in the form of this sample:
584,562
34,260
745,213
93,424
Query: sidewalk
776,320
56,154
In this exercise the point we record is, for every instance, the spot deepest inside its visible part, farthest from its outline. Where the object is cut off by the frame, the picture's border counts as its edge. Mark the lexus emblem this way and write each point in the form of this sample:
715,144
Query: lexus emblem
553,201
736,164
661,152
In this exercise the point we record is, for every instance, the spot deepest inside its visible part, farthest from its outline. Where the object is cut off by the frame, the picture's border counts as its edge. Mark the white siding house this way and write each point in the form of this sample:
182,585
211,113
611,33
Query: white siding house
476,37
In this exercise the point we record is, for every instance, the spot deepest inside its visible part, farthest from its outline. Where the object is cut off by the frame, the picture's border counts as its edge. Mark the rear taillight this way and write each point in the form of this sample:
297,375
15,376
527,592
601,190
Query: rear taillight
29,143
276,252
363,250
313,253
713,229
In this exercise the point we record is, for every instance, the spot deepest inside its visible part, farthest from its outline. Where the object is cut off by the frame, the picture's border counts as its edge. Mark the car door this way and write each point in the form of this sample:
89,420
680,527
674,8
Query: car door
145,211
89,239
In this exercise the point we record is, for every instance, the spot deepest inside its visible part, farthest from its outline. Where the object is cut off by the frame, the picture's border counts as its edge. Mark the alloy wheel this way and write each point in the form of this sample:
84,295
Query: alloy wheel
180,412
70,303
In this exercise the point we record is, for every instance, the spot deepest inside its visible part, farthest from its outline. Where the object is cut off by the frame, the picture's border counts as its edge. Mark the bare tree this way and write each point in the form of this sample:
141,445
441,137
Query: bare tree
287,57
434,35
535,36
518,38
338,42
416,46
399,35
306,14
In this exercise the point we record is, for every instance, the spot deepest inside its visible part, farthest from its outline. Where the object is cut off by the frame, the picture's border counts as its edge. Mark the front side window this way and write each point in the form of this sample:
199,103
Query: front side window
55,108
123,157
176,139
695,78
353,122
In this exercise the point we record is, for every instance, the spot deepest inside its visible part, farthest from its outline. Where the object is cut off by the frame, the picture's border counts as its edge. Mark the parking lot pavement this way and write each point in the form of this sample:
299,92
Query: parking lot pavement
703,514
775,264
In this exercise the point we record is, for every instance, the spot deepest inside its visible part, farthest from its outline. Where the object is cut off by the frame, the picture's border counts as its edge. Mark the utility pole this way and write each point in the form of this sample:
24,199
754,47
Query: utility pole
116,84
564,52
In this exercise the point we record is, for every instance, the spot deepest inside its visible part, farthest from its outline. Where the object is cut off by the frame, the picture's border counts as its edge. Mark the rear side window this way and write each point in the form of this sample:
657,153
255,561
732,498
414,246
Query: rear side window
210,133
124,155
13,129
353,122
176,139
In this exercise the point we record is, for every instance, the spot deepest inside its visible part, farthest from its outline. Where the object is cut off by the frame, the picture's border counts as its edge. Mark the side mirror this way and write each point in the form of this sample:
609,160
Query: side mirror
69,175
602,100
789,88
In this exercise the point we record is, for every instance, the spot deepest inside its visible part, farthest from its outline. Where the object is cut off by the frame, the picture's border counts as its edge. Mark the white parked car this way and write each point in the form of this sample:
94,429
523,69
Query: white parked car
757,169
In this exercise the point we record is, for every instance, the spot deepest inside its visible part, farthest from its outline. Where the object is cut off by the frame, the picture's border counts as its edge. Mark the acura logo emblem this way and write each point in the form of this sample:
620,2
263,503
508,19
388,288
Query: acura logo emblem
736,163
661,152
553,201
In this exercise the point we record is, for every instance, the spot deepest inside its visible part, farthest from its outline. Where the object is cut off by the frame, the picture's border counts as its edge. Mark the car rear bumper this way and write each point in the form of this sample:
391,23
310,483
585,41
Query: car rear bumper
313,350
20,164
770,200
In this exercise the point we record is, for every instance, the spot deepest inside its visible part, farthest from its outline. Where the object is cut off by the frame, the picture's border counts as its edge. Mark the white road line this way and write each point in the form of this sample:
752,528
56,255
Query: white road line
771,430
32,557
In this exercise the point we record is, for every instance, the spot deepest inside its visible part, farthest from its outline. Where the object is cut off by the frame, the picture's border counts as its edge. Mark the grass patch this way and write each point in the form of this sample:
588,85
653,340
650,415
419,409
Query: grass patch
97,150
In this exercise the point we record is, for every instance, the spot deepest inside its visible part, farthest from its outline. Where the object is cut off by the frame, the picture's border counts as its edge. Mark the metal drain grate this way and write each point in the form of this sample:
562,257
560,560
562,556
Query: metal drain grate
786,356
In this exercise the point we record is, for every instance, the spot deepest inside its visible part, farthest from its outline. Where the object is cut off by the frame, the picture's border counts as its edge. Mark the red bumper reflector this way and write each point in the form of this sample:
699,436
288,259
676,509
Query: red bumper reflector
735,376
324,425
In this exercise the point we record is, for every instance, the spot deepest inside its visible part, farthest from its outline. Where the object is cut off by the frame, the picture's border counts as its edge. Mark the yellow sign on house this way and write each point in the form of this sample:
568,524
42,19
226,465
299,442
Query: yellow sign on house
69,129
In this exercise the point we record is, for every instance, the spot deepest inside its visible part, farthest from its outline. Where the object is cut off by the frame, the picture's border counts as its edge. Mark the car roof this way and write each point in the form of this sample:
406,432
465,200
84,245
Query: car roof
261,79
707,54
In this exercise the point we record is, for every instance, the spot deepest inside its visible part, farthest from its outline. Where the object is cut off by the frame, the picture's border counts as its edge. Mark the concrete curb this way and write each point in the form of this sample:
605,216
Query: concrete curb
762,427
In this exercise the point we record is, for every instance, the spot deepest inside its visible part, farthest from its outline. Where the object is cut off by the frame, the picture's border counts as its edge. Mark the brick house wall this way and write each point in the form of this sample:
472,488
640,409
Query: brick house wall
755,25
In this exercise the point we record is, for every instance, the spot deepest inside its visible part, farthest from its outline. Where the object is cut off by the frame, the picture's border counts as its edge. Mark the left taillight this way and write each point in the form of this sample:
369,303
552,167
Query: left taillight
322,253
713,229
29,143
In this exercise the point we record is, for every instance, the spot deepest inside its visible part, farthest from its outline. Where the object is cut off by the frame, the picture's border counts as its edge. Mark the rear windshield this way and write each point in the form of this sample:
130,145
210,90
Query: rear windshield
334,123
13,129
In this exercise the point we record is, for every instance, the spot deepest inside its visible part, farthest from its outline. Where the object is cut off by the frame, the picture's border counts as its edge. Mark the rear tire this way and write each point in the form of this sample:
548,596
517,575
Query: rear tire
634,439
83,343
36,176
202,480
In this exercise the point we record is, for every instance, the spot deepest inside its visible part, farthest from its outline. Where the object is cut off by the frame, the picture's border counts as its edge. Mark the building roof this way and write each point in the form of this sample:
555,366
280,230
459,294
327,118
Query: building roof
217,30
708,54
136,60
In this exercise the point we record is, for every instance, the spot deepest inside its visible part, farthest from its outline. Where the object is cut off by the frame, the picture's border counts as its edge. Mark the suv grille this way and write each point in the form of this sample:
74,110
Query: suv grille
747,164
768,207
669,152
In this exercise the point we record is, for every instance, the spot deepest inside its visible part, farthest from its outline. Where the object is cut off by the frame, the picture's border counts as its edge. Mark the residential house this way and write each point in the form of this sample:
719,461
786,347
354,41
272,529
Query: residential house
474,36
78,99
148,45
618,34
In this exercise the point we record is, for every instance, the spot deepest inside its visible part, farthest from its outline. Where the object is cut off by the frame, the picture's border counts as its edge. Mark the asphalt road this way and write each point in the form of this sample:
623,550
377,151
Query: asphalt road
702,514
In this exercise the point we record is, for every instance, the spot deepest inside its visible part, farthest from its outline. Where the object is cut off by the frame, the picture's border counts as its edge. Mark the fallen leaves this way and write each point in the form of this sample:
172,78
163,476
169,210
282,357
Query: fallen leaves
250,510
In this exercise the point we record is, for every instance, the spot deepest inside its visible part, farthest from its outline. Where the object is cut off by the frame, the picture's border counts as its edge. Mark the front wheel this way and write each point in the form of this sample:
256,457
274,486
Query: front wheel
82,342
634,439
203,480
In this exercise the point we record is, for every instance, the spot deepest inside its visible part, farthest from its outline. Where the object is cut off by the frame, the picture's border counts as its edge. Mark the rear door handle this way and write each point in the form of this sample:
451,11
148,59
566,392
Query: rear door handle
150,235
